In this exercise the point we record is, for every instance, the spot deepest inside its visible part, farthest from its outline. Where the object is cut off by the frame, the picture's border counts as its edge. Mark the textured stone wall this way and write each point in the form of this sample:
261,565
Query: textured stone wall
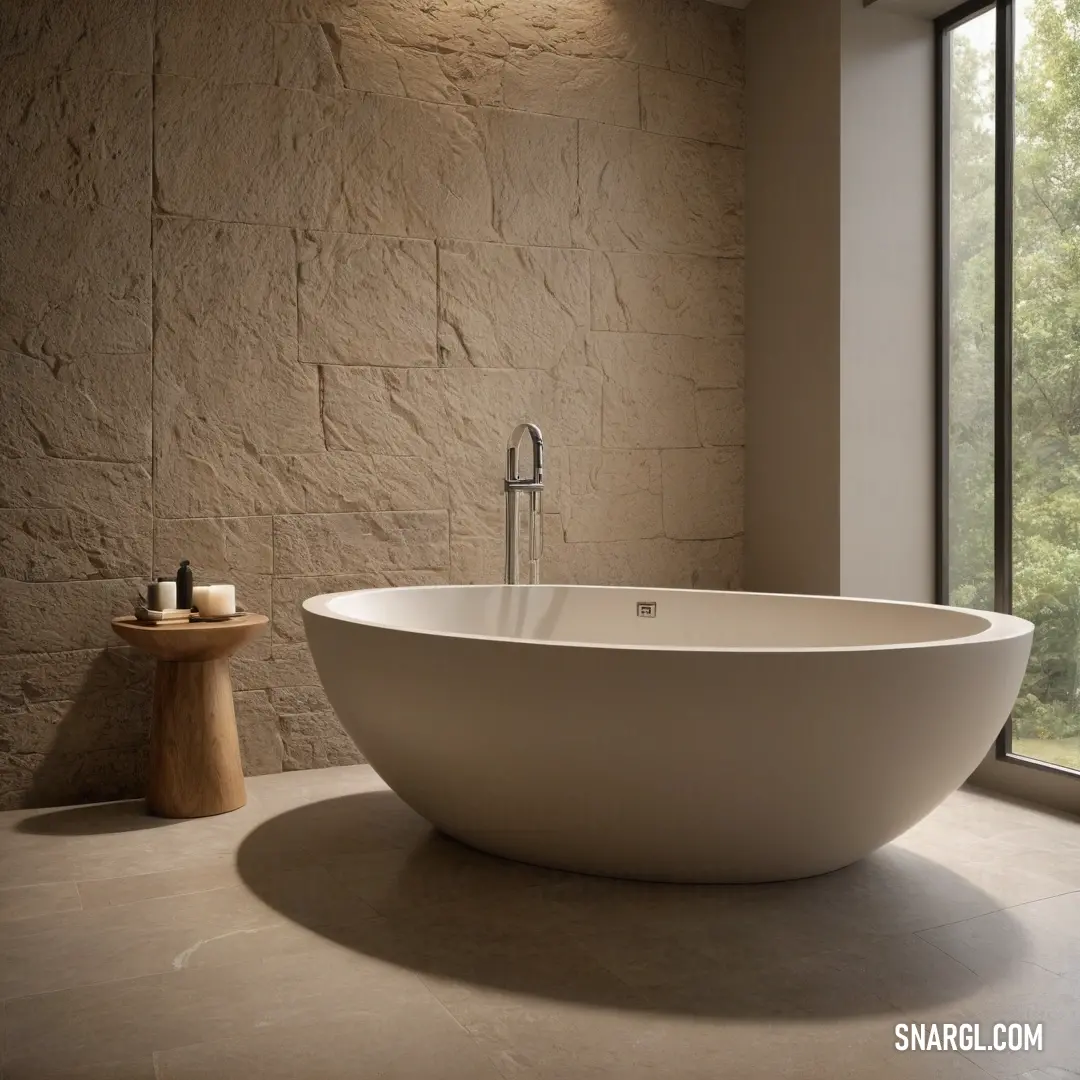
276,280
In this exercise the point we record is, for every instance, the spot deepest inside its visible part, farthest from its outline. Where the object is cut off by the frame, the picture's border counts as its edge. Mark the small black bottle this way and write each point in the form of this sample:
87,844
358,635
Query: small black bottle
185,583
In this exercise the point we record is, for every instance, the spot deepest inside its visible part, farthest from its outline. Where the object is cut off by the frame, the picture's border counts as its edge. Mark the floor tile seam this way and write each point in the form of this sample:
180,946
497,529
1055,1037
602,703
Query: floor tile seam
10,999
997,911
84,877
1040,899
36,884
127,906
150,899
987,1072
158,1054
16,919
958,922
950,956
473,1038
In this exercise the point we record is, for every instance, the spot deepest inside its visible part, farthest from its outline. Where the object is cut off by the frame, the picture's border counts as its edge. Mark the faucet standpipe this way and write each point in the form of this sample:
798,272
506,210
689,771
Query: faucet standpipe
516,485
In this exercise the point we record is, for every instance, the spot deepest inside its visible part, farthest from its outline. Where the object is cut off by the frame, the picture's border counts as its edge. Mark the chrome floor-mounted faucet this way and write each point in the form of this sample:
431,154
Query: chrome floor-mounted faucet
535,487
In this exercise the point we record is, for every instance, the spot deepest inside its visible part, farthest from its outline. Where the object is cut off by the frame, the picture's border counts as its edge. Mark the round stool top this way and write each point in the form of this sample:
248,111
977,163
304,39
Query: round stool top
190,640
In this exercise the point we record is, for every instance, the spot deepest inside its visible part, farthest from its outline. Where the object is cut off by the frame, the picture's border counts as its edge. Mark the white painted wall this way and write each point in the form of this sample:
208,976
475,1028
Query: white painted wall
840,372
887,304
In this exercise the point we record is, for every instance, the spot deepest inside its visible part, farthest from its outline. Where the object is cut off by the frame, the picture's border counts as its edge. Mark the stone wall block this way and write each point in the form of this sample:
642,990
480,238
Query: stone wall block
613,495
261,748
366,300
445,28
316,740
59,616
112,490
648,389
288,665
429,178
478,560
90,295
703,493
71,520
483,406
28,679
340,543
647,192
383,411
533,164
312,734
92,407
219,546
656,386
106,704
721,417
661,563
706,40
342,481
31,780
591,89
505,306
472,78
667,294
105,35
69,544
449,171
228,384
373,64
211,41
304,58
636,31
75,139
676,104
253,153
577,406
589,29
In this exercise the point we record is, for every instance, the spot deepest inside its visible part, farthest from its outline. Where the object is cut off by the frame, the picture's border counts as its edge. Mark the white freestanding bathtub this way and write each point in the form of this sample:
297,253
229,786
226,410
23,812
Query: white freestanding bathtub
708,737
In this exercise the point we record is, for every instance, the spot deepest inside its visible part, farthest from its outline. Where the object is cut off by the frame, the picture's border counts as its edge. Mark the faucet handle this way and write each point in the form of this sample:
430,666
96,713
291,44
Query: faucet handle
536,528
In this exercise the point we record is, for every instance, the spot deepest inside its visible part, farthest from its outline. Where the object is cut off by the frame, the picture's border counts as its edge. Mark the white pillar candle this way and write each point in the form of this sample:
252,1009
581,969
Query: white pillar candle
216,600
161,596
199,595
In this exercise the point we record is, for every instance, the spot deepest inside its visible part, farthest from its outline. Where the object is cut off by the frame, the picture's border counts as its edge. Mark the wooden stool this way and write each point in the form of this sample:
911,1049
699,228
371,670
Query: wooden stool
195,768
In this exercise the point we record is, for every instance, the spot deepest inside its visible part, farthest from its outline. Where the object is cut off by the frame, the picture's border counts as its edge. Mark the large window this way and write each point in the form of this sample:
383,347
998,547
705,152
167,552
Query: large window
1010,344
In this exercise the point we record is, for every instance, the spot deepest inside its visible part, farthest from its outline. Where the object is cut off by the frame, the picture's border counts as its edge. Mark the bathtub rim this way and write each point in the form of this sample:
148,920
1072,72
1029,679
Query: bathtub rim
999,626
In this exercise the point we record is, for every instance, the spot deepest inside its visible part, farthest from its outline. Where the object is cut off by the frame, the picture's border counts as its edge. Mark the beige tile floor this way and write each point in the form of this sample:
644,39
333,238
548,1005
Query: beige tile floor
325,932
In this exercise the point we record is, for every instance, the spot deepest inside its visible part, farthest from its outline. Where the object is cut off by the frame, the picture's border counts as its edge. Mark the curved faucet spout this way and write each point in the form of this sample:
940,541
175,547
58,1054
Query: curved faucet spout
513,445
514,486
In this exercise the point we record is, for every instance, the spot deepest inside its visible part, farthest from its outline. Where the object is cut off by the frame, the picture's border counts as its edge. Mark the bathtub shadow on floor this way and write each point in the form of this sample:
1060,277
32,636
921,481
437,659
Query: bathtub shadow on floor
366,872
